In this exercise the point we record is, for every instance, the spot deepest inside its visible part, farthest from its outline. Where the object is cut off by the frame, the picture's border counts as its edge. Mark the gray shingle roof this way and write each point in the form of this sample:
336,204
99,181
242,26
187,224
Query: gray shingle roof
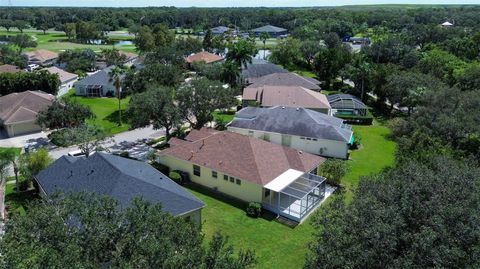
285,79
293,121
269,29
260,68
118,177
345,101
102,77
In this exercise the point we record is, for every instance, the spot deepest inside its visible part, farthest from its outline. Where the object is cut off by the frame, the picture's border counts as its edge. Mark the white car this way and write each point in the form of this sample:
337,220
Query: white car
78,153
32,67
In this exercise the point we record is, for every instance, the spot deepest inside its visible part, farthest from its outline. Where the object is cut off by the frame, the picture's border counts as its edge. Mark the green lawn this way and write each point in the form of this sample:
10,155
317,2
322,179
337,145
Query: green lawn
224,116
17,150
105,110
276,245
16,203
57,42
377,152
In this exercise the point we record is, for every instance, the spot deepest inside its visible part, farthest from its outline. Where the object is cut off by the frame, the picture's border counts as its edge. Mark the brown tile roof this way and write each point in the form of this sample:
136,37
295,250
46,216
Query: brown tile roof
241,156
41,55
62,74
204,56
23,106
289,96
8,68
285,79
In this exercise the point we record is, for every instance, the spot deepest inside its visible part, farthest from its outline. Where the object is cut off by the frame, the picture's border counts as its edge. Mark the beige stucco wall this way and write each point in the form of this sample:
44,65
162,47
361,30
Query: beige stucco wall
22,128
247,191
323,147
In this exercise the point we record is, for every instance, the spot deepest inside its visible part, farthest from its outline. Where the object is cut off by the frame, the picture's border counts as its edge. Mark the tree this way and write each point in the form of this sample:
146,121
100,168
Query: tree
156,106
469,80
34,162
152,74
241,52
26,81
287,53
359,71
71,31
200,98
309,49
334,170
21,25
64,114
116,76
86,230
414,216
162,35
78,60
144,41
7,24
208,41
87,137
113,56
11,156
331,59
23,41
264,36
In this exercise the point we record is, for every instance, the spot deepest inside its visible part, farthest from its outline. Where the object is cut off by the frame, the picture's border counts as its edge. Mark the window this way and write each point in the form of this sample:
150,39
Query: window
309,138
314,139
232,179
214,174
225,177
266,137
239,182
196,170
267,193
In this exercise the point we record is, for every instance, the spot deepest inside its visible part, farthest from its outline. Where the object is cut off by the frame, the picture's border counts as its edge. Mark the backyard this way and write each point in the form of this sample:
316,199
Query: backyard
105,110
277,245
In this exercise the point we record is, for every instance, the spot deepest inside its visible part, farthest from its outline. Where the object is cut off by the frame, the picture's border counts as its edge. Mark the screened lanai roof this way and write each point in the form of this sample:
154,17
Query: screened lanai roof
295,183
345,101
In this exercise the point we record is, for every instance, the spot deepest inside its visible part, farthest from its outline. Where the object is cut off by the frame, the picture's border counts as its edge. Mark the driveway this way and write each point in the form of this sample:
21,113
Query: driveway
20,141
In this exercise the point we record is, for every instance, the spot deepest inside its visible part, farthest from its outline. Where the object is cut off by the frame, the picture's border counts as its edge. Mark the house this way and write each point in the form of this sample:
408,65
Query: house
205,57
289,96
285,79
42,57
310,131
131,58
8,68
66,79
98,84
272,31
121,178
259,68
347,104
282,179
221,30
18,111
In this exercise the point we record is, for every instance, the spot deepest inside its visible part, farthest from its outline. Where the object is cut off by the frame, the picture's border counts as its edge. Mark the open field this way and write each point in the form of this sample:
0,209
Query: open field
105,110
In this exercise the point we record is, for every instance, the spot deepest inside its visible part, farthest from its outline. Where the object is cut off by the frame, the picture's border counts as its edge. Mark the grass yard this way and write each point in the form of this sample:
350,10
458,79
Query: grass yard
16,203
105,110
57,42
223,116
17,150
276,245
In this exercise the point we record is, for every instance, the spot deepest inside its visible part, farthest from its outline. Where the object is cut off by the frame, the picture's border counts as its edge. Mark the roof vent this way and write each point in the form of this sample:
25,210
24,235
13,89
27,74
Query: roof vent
298,109
283,107
220,162
300,152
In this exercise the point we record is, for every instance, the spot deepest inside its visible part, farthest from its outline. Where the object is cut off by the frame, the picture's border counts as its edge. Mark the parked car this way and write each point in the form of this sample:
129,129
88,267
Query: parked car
32,67
78,153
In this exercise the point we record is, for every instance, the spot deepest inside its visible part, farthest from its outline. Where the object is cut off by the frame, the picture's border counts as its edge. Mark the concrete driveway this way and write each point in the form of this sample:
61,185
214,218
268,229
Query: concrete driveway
20,141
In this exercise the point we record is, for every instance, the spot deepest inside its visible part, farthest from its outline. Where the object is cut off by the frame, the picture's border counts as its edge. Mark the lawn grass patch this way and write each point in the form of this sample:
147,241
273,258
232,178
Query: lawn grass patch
17,203
276,245
105,110
17,150
223,116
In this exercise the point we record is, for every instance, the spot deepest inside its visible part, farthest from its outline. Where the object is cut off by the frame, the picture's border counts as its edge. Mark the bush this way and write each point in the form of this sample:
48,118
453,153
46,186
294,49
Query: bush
334,170
58,138
162,168
351,119
175,176
254,209
358,141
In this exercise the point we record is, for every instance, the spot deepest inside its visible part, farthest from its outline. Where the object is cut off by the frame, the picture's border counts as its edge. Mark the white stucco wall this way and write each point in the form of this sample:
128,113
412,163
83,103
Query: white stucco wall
247,191
323,147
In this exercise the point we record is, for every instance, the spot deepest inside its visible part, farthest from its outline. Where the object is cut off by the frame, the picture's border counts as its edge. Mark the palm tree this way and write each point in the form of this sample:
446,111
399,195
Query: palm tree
116,76
264,36
10,156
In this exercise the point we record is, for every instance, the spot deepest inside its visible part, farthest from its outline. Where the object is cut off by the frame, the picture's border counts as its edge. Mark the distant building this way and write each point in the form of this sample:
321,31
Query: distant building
205,57
42,57
7,68
310,131
284,79
447,24
288,96
360,40
220,30
120,178
272,31
19,110
67,79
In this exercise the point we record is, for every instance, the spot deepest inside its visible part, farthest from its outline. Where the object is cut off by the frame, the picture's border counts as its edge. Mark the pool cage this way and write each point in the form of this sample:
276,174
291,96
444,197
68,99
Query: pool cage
296,200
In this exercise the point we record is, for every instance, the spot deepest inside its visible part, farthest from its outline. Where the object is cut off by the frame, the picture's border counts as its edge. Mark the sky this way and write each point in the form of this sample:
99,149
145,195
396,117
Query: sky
223,3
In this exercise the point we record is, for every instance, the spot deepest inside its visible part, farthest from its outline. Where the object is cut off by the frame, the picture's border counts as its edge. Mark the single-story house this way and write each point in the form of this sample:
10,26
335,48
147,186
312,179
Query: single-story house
259,68
347,104
18,111
8,68
121,178
98,84
220,30
67,79
288,96
282,179
272,31
285,79
205,57
41,57
311,131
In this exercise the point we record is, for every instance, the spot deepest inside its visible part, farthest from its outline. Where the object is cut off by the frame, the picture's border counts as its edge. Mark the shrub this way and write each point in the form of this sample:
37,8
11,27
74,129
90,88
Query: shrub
58,138
334,170
162,168
254,209
175,176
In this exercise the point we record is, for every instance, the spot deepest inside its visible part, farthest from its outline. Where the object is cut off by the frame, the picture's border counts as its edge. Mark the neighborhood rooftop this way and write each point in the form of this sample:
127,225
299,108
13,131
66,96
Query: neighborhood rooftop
63,75
259,68
241,156
8,68
119,177
42,55
23,106
293,121
291,96
204,56
285,79
269,29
